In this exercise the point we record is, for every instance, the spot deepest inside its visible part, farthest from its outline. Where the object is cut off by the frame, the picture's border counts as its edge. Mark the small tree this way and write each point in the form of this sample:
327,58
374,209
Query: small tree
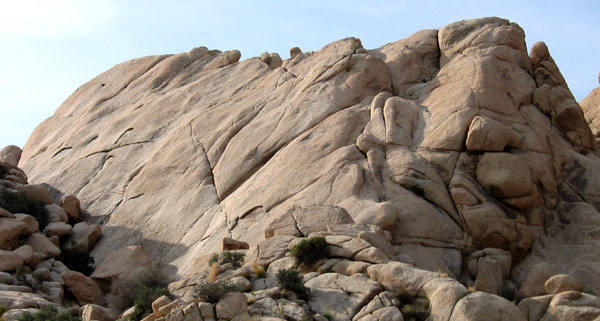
309,251
212,292
234,258
290,280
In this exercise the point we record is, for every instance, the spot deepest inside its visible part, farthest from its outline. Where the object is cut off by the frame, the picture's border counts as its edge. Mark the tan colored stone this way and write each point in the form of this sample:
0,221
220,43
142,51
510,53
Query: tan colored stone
159,303
231,305
71,205
83,288
43,245
10,261
561,283
84,236
535,280
479,306
11,154
32,224
58,229
6,214
95,312
10,230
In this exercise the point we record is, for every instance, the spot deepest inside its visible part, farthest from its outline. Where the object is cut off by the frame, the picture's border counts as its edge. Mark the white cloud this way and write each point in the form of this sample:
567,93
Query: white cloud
54,18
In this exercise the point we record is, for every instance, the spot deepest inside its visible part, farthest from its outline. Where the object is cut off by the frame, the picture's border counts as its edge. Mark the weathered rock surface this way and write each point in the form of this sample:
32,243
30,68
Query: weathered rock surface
456,138
591,110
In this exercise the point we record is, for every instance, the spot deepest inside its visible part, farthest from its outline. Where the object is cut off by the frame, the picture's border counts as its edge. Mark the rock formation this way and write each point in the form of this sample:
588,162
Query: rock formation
448,159
591,109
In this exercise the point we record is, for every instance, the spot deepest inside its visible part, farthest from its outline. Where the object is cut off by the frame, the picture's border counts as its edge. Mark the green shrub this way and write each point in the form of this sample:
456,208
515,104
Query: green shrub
235,258
48,313
76,260
144,296
212,292
291,280
414,308
138,288
3,308
309,251
18,202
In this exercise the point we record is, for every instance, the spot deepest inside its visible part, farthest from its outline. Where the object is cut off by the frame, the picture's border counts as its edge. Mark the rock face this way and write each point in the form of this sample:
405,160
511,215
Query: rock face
591,110
454,138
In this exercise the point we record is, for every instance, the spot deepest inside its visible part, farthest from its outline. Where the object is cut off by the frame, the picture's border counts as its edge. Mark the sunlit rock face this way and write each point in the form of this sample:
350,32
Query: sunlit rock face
455,139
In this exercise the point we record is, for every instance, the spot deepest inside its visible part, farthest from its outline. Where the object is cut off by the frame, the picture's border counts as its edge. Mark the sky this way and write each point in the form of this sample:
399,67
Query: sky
50,48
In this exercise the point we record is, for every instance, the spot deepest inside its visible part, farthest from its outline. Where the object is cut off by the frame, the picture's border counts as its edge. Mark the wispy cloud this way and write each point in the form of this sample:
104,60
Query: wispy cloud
55,18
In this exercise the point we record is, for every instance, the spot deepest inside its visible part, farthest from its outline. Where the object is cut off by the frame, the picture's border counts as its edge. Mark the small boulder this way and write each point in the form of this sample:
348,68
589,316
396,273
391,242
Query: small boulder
37,193
32,224
72,206
10,261
231,305
485,306
10,230
561,283
83,288
42,244
11,154
57,214
58,229
95,312
84,237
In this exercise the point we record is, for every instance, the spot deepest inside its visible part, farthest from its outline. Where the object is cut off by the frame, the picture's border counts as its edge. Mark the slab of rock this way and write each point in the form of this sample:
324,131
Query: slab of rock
269,250
572,305
339,295
122,263
83,288
19,300
535,280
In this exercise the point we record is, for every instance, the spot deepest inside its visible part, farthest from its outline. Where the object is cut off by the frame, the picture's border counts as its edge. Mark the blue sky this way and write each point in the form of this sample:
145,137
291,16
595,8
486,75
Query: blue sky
49,48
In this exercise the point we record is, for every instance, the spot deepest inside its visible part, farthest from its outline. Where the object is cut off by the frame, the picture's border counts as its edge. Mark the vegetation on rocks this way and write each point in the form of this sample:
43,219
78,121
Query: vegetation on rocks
290,280
310,250
144,296
140,290
48,313
18,202
414,308
236,259
213,291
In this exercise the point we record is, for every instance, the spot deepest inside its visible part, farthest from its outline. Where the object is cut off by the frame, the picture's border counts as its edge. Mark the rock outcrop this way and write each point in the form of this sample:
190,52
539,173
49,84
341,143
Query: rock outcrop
450,159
